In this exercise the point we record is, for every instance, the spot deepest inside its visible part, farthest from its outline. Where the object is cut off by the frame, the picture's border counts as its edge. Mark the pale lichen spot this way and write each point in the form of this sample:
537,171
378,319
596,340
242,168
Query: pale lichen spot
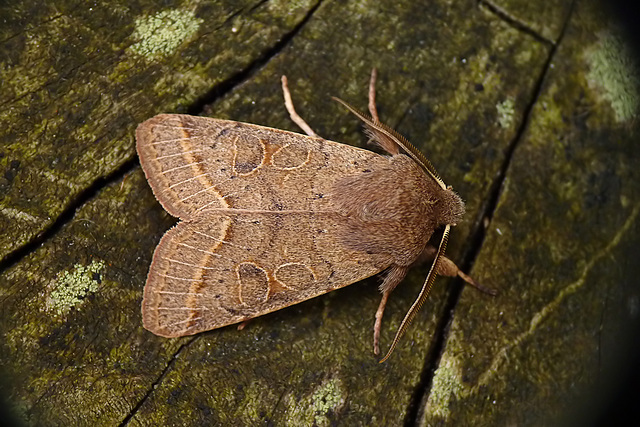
16,214
613,72
71,287
506,112
326,400
447,385
320,407
160,35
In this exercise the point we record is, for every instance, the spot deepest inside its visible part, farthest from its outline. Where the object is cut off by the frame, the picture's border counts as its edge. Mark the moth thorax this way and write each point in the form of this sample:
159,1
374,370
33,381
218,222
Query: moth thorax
451,208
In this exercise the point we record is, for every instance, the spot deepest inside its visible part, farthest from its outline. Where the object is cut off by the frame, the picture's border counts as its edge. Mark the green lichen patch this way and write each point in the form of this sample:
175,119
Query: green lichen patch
160,35
446,386
506,111
328,398
320,408
71,287
614,72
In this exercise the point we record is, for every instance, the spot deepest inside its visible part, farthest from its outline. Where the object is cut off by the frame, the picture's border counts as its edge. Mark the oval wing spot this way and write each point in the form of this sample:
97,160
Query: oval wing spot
253,283
249,154
291,156
294,275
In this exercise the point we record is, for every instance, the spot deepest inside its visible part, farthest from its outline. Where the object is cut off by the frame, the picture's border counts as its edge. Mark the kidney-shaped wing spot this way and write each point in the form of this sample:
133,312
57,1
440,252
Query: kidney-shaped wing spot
290,157
249,154
294,275
253,284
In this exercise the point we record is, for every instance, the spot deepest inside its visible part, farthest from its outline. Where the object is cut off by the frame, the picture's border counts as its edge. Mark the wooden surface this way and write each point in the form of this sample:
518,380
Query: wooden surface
530,114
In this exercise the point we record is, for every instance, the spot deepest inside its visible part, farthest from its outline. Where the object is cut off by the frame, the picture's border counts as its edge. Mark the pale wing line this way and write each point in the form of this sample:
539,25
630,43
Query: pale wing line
266,211
222,241
201,191
179,278
187,180
206,252
201,250
183,308
214,201
190,265
173,126
179,154
165,141
183,321
180,293
209,204
181,167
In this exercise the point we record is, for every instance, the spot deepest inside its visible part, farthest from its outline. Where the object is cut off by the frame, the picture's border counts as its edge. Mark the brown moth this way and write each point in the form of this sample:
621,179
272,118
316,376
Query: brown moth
270,218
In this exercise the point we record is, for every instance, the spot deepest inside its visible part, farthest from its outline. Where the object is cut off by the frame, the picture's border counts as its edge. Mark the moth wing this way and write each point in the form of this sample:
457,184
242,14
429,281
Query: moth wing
195,164
222,269
259,229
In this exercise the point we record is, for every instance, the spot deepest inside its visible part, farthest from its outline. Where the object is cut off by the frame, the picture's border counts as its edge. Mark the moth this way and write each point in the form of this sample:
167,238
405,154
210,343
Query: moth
270,218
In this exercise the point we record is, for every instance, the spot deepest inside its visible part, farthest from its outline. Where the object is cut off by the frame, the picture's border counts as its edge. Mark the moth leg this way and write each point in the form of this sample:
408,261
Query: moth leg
450,269
242,325
292,111
393,278
372,95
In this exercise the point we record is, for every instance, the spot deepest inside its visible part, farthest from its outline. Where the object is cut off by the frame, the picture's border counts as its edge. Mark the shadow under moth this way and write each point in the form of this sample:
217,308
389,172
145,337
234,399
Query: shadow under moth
270,218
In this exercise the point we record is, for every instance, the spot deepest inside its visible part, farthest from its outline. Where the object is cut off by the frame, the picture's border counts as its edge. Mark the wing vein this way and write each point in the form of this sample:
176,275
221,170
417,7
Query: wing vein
178,154
182,167
188,180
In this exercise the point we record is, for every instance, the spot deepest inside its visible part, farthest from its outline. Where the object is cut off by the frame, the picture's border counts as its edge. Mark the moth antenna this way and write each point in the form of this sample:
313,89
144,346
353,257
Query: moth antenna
372,95
288,103
398,139
424,293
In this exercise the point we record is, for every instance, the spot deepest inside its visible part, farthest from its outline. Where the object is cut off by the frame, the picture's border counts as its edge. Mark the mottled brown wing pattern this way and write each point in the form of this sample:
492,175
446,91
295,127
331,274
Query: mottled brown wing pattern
259,221
222,269
197,163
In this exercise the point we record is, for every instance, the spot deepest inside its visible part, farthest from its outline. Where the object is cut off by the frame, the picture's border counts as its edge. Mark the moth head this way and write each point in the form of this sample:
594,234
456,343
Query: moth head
451,207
